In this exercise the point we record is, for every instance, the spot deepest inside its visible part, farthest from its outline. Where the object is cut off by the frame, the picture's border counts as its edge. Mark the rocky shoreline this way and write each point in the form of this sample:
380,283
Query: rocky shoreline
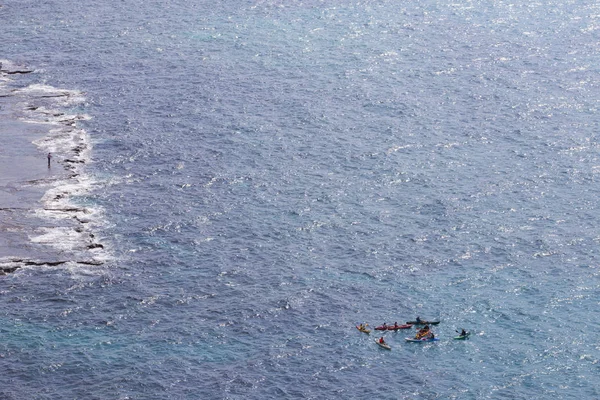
40,223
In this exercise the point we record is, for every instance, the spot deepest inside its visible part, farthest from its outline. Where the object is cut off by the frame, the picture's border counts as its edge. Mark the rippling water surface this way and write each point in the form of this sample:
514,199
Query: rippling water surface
255,178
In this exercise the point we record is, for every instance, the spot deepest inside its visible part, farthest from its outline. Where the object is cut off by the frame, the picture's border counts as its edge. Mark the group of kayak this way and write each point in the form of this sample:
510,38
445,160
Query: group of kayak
424,334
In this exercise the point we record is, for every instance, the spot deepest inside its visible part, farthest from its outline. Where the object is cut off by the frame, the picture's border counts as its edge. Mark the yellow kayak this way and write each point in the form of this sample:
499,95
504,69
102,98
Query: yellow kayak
363,329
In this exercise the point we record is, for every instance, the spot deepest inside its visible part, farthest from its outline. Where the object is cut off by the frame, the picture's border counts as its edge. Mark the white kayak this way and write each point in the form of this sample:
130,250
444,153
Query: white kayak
384,345
421,340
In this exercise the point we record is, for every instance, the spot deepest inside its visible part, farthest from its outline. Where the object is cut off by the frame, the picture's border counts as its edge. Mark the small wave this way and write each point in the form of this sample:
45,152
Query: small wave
60,97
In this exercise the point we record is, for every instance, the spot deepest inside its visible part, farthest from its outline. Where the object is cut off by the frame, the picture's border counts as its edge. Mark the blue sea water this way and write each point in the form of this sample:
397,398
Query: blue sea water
253,178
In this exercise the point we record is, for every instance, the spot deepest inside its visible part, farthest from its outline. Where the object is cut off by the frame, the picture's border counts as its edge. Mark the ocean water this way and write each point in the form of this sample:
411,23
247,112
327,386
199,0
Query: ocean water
235,185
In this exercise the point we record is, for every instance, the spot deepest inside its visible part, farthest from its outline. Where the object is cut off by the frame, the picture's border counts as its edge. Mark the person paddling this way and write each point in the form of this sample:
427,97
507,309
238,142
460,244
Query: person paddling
422,332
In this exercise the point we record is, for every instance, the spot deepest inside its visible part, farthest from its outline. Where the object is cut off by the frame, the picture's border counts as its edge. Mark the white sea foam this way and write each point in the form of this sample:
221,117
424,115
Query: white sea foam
61,97
61,237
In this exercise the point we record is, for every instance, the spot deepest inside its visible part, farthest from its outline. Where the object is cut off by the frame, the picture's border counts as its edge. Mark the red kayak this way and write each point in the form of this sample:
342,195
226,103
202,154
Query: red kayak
392,327
395,328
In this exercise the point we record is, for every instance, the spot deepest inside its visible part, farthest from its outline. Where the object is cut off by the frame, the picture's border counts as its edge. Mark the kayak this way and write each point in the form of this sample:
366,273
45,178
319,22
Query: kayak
462,337
423,322
365,330
393,328
383,345
382,328
421,340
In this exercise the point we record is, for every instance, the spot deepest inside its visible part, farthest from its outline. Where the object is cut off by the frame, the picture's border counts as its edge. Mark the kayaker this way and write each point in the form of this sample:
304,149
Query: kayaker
395,325
381,340
385,325
422,332
463,333
418,320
